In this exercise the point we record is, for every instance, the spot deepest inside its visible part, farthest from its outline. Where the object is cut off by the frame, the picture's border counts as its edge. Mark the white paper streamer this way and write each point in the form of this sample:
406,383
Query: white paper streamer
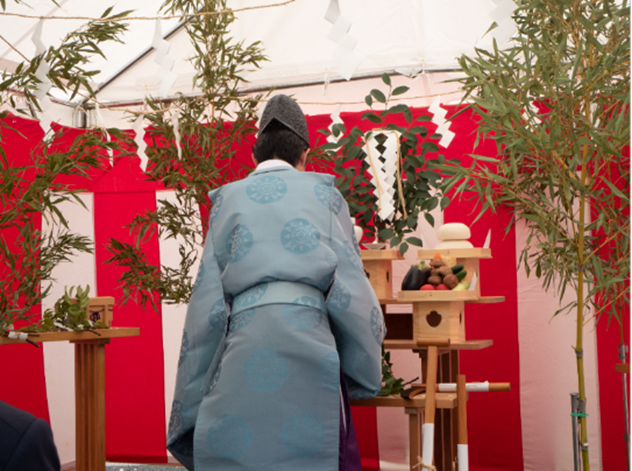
140,141
101,124
18,335
335,119
462,457
350,61
41,74
501,15
165,75
488,239
427,450
474,281
383,174
443,127
174,114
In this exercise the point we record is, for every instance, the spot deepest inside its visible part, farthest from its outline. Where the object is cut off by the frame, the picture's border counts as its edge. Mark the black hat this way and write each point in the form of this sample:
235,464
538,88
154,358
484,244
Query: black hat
286,111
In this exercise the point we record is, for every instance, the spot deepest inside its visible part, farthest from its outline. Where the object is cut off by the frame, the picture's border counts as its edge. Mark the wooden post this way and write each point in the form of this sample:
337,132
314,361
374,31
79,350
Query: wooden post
461,397
90,404
413,435
429,412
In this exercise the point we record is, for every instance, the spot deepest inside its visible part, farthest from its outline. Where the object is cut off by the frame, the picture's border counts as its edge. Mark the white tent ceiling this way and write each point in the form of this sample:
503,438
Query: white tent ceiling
392,35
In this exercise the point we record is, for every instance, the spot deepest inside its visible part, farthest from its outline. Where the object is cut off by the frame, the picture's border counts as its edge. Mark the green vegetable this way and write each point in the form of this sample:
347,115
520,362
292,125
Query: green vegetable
461,275
462,286
457,268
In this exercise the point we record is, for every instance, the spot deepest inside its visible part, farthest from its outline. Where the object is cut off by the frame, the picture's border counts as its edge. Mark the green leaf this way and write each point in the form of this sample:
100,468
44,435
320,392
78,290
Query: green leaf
400,90
414,241
371,117
386,79
378,95
369,100
386,233
445,201
429,218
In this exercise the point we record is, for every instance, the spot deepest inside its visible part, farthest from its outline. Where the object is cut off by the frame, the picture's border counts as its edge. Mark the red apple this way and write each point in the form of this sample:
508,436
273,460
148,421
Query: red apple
427,287
442,287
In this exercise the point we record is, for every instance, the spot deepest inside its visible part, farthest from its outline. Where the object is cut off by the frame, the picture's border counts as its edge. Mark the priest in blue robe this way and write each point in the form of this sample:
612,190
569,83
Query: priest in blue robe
282,326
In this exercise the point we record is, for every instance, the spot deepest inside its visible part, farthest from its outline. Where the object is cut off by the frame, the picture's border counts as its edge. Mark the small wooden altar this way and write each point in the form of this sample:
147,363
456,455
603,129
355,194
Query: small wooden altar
89,388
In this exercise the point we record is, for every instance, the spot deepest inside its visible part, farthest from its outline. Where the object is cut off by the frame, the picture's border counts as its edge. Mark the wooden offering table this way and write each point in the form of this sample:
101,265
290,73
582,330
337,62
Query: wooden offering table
89,388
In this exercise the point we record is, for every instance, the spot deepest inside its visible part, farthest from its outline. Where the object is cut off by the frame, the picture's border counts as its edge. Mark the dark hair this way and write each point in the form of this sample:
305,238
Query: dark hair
279,141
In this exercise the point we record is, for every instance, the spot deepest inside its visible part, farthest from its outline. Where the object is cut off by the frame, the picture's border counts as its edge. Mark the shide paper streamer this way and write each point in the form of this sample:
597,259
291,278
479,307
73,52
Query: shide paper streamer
443,127
140,141
501,15
42,75
346,43
335,119
165,75
383,174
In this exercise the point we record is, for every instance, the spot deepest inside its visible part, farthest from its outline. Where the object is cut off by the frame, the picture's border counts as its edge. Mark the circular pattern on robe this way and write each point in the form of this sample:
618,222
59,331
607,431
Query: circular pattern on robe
266,370
240,320
217,206
352,256
329,196
329,371
339,297
303,313
184,348
266,189
180,419
200,275
238,243
377,325
229,436
299,236
250,296
303,435
217,316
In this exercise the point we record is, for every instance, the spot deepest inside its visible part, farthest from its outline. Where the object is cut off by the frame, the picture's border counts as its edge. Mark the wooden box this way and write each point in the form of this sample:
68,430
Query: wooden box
100,309
439,319
378,265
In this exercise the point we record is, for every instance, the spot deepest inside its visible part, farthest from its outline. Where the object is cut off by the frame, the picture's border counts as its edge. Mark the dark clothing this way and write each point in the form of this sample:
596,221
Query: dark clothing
26,442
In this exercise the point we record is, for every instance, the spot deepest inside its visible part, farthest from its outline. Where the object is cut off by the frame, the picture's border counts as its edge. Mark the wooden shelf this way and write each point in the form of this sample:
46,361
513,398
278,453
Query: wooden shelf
415,296
443,401
381,255
412,345
428,254
76,336
481,300
487,300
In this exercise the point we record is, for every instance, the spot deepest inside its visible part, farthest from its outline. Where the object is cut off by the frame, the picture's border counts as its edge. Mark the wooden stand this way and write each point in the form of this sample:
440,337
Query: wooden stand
436,315
89,388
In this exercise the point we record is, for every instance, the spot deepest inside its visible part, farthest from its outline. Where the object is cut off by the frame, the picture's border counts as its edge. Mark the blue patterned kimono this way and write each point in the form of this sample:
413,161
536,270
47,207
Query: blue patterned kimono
258,383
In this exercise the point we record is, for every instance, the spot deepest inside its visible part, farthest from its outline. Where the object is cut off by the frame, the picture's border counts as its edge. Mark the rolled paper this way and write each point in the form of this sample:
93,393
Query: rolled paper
462,458
13,335
470,387
23,336
427,449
